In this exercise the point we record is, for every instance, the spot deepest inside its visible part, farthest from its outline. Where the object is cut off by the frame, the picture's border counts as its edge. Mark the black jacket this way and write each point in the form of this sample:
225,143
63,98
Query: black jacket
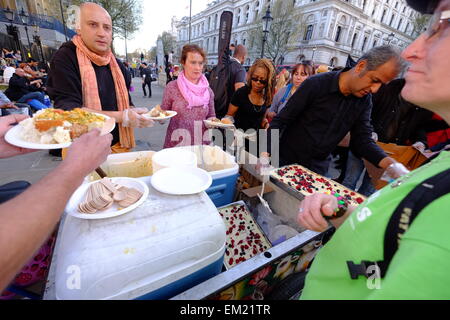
18,87
396,120
317,117
64,82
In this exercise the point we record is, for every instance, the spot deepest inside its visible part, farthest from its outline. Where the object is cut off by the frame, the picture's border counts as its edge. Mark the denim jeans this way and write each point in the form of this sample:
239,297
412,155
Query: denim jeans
32,95
355,168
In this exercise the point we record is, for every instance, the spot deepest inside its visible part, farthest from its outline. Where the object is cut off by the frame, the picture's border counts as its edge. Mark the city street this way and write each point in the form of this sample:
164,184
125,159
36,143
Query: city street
32,167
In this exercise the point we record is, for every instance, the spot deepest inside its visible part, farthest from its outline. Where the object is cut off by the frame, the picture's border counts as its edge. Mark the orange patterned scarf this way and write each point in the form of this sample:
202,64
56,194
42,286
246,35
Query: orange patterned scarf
91,98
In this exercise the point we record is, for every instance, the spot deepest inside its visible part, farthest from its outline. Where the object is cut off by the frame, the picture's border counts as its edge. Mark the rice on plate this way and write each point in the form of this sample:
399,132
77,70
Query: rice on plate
54,126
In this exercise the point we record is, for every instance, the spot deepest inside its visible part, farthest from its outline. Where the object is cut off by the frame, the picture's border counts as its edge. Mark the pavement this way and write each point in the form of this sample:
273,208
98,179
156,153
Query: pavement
34,166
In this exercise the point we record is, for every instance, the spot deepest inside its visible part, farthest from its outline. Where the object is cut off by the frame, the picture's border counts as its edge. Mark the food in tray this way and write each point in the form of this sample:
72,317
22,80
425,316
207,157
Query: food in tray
226,121
54,126
157,112
307,182
104,193
223,121
244,237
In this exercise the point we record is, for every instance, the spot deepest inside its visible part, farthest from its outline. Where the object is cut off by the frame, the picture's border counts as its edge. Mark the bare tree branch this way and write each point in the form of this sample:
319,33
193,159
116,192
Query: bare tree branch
284,30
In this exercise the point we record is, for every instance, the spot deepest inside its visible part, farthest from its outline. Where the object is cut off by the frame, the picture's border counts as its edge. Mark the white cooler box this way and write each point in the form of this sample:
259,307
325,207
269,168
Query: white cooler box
166,246
223,169
222,166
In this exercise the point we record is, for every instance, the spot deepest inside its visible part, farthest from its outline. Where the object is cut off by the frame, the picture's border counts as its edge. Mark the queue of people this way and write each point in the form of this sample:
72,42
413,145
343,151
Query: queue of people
313,112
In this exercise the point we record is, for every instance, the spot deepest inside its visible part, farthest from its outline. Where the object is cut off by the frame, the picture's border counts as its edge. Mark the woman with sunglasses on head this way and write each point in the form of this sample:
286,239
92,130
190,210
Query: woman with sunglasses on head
250,103
299,73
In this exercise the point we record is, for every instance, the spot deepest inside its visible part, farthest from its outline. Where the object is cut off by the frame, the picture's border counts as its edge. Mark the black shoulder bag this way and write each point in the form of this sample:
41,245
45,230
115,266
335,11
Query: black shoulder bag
402,218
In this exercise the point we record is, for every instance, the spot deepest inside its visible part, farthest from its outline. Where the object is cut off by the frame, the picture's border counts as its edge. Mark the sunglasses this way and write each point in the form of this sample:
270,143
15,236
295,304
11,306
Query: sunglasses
439,22
262,81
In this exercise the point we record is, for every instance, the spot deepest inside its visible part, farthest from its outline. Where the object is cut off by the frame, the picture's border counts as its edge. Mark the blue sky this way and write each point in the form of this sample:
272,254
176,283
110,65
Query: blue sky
157,16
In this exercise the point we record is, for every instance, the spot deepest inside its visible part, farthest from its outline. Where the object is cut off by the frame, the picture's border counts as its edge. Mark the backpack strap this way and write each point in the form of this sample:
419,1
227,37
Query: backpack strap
402,218
288,89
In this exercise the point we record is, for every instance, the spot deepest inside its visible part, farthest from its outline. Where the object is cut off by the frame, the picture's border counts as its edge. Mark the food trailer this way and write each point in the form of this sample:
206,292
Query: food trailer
217,244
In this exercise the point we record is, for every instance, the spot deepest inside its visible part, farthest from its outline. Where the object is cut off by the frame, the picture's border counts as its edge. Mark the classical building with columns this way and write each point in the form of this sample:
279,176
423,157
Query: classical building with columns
329,30
43,27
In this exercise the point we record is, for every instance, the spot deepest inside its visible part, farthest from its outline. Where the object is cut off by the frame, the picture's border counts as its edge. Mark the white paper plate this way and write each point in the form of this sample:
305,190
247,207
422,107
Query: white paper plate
181,180
171,115
13,137
113,211
218,124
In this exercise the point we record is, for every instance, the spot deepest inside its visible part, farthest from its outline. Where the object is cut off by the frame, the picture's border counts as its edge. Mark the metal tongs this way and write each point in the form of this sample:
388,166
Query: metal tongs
263,201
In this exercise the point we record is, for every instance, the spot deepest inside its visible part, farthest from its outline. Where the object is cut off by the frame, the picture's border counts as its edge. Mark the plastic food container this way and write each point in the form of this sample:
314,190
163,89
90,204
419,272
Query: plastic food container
130,164
223,169
173,157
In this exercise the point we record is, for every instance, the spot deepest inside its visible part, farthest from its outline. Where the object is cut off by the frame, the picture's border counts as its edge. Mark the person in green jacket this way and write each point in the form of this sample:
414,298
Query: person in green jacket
419,267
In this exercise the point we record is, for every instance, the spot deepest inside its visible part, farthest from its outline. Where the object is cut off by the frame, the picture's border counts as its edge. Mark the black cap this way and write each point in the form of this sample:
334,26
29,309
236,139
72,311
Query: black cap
423,6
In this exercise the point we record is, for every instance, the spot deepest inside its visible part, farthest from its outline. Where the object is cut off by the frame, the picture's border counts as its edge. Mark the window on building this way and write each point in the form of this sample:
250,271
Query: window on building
407,28
392,19
374,44
338,34
396,5
363,47
333,62
247,11
364,4
354,39
374,10
399,24
383,15
308,33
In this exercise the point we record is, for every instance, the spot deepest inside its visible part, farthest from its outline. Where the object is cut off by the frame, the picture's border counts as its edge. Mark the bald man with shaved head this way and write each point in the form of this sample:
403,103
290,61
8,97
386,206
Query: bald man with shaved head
85,74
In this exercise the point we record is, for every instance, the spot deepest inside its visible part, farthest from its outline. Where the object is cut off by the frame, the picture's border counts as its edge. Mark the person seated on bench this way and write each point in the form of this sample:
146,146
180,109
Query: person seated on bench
20,89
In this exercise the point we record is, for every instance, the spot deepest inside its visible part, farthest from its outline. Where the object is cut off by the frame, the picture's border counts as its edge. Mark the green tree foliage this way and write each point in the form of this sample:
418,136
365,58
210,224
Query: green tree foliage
126,15
284,31
169,42
421,22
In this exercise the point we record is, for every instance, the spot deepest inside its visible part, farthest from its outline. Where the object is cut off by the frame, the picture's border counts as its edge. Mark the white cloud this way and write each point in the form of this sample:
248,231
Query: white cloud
157,16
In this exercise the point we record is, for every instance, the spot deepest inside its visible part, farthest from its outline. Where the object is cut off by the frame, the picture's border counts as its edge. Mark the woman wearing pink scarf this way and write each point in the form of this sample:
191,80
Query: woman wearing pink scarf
192,99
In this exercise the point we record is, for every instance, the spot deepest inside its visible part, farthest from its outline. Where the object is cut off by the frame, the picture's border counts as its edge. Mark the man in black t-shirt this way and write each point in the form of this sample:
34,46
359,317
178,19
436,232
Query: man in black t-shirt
65,79
329,105
238,72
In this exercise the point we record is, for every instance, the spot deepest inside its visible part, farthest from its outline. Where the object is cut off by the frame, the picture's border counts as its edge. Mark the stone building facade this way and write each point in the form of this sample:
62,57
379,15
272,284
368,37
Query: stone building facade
46,13
329,30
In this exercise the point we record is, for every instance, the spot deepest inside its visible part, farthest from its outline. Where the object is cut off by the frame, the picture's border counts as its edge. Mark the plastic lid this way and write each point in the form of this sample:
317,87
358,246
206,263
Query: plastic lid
174,157
282,231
